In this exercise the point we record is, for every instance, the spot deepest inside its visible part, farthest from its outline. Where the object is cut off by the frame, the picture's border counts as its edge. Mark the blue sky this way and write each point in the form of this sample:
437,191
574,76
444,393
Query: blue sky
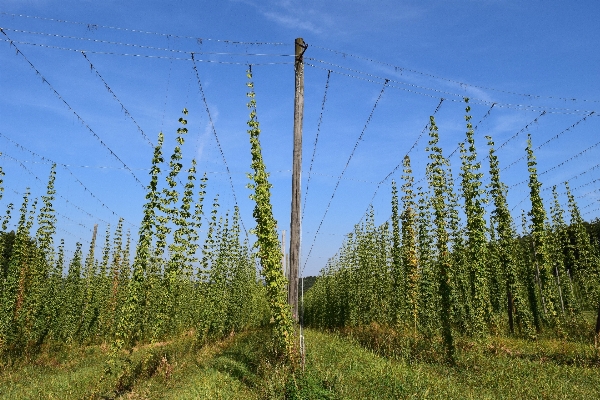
525,58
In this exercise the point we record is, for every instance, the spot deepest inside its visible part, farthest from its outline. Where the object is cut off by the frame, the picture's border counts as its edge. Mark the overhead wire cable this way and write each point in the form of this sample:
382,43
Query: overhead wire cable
513,137
519,203
588,193
354,70
591,211
58,228
44,80
373,76
59,195
345,178
344,171
561,164
574,177
487,114
593,203
312,160
92,27
526,127
123,108
551,139
88,51
572,191
577,197
416,87
48,161
378,81
462,84
521,107
141,46
66,167
214,131
400,163
162,122
540,146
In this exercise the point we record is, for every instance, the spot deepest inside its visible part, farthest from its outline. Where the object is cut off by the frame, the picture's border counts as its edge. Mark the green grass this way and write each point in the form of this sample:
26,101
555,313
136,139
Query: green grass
355,373
68,373
242,367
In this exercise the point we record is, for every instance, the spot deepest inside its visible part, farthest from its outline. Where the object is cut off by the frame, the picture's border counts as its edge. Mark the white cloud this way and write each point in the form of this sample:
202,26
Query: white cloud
292,23
336,17
305,16
478,93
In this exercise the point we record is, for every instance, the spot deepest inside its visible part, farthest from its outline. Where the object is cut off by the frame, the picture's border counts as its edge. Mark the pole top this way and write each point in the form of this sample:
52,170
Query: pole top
301,47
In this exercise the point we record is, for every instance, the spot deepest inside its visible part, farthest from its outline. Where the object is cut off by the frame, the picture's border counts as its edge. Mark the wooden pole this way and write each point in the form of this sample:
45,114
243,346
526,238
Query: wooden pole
296,173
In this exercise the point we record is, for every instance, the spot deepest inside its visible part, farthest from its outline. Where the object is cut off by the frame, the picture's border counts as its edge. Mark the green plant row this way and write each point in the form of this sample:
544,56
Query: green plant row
444,268
163,283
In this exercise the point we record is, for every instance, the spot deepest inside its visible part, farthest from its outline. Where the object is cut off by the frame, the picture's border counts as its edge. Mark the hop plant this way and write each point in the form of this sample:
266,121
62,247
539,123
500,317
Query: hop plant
267,243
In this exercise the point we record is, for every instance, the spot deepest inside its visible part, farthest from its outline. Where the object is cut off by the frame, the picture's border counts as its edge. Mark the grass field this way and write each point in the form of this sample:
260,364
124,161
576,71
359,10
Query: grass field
336,368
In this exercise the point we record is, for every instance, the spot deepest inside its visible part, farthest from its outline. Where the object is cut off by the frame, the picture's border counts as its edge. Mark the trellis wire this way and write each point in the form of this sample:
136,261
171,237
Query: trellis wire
344,171
66,167
462,84
316,141
73,111
90,26
214,131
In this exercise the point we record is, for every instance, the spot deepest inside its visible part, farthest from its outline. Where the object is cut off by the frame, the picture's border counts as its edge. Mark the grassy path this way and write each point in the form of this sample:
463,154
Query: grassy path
337,368
352,372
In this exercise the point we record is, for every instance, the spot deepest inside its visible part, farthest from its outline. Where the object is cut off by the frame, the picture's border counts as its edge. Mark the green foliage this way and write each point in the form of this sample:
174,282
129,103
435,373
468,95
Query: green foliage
336,368
476,249
425,285
409,250
398,273
267,240
504,249
428,282
73,299
106,298
438,181
562,257
16,284
539,234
